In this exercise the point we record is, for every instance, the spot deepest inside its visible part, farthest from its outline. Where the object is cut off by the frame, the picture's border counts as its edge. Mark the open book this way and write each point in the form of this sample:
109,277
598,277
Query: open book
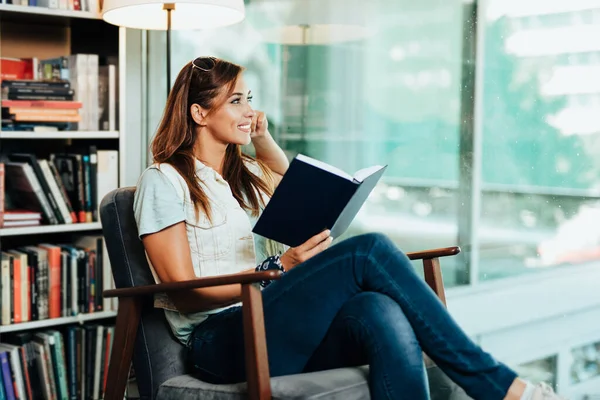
314,196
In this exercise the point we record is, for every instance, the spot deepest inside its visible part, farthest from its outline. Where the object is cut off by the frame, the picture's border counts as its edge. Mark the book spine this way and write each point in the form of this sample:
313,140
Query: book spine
2,390
87,188
33,96
32,369
54,266
27,117
35,286
15,365
7,376
64,284
80,186
98,361
53,362
99,266
40,193
94,182
73,281
16,285
25,292
72,362
25,372
5,285
32,160
61,366
55,191
42,111
45,286
63,191
24,84
42,91
42,367
45,104
2,194
12,289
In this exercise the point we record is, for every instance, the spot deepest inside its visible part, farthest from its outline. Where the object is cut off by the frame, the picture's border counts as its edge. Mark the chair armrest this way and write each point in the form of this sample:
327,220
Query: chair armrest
231,279
435,253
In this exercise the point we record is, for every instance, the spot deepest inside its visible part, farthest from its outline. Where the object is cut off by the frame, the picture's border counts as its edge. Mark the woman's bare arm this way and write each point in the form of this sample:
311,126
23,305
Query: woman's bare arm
170,255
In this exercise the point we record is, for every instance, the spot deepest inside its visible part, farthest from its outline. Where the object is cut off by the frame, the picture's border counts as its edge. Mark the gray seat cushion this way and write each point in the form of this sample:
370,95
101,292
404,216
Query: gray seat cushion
342,384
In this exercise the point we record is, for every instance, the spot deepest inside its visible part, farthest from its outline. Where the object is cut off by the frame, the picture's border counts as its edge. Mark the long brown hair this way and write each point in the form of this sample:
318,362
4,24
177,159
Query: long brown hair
206,81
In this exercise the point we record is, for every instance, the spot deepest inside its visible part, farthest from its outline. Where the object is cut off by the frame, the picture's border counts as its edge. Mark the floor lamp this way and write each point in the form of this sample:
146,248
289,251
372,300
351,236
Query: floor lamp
172,15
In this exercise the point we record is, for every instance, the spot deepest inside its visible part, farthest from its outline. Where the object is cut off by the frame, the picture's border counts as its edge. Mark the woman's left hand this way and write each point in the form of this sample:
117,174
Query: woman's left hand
259,125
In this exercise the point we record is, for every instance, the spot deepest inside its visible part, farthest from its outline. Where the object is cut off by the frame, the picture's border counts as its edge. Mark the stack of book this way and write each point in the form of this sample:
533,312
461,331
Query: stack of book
65,188
48,280
33,114
67,5
51,364
75,92
17,218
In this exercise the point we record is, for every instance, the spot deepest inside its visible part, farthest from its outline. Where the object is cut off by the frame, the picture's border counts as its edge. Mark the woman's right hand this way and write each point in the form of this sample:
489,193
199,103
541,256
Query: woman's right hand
308,249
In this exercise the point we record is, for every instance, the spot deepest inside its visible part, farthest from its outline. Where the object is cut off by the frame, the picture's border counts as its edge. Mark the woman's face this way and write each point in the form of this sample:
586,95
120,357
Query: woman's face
230,124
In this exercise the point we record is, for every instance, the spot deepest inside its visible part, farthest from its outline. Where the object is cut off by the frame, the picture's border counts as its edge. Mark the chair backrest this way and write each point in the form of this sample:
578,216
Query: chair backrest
158,356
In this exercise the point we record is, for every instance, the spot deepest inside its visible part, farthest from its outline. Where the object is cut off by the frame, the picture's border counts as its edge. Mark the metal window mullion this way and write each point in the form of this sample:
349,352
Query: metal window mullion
471,126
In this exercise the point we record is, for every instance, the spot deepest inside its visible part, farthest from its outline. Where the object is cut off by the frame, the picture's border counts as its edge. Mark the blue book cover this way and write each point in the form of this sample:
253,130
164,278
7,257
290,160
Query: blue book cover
7,376
2,394
314,196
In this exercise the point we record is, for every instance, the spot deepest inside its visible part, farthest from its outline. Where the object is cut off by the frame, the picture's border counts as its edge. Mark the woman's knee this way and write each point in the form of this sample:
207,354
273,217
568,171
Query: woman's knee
374,309
370,240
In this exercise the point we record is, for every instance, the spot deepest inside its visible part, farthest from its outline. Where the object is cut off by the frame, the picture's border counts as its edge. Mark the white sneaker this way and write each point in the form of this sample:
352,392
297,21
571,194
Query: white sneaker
544,392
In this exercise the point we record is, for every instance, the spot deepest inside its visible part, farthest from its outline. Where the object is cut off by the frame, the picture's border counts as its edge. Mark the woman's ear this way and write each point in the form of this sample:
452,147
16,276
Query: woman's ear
198,114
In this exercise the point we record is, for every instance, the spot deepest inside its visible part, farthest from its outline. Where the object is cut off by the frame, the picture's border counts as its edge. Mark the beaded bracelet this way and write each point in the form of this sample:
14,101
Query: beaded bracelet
272,262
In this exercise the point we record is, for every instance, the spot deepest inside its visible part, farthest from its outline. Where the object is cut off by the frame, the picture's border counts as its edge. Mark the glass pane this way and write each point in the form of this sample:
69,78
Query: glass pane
542,370
541,142
356,84
585,363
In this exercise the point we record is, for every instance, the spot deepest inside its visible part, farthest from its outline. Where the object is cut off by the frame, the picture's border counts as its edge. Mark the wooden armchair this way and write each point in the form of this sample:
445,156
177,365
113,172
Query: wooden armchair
142,334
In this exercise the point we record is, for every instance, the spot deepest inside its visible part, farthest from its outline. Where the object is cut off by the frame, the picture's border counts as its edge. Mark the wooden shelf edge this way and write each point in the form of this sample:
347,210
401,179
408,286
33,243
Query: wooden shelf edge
47,323
51,12
59,135
32,230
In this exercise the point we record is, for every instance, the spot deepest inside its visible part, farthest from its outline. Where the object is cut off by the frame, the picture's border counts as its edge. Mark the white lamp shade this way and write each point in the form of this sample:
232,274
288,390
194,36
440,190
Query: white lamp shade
187,14
314,34
317,22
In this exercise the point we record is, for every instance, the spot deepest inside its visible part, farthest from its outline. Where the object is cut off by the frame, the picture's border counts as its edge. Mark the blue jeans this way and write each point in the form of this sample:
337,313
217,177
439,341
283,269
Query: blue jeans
359,302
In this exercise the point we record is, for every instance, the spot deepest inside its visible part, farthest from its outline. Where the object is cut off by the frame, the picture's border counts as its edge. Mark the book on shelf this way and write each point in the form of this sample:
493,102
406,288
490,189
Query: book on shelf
48,280
314,196
67,363
2,190
65,5
71,92
21,218
64,188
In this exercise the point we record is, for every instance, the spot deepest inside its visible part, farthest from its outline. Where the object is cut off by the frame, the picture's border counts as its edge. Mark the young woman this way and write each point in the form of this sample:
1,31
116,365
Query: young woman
358,302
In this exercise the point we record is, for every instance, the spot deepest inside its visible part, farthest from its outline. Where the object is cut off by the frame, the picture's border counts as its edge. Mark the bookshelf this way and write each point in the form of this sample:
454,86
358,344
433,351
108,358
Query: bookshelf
60,135
36,14
46,323
58,300
45,229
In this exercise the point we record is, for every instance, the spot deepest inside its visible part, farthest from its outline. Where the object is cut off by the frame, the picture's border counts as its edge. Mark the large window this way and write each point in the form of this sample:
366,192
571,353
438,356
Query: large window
540,142
490,130
379,86
486,114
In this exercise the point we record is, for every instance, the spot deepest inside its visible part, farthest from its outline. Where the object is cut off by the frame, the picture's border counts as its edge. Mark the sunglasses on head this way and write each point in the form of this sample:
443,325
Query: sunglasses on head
204,63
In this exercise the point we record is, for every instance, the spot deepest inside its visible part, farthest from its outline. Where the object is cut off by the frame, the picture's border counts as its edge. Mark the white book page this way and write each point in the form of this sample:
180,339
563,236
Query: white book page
364,173
323,166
